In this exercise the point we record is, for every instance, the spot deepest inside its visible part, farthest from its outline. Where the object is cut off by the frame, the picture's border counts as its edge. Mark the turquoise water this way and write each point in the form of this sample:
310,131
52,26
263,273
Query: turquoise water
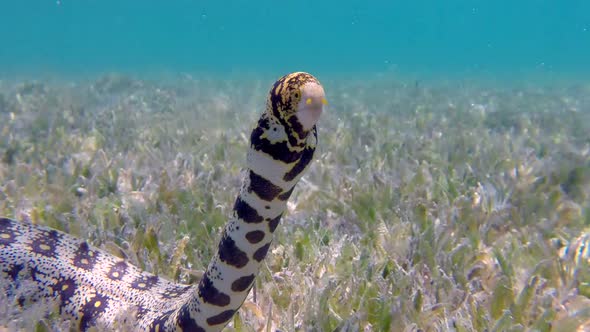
445,38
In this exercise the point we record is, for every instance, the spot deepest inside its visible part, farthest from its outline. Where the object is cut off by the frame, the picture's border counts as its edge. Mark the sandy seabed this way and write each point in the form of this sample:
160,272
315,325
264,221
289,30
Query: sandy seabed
429,206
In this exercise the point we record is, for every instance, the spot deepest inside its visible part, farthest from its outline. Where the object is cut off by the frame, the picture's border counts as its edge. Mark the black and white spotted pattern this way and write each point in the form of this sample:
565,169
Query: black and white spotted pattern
94,288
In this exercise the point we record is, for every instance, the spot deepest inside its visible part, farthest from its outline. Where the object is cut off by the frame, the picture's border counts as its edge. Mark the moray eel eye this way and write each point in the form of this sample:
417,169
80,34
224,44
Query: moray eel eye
309,101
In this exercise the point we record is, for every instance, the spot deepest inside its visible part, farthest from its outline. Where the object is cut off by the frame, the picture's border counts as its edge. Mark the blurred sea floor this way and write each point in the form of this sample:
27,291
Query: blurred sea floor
430,205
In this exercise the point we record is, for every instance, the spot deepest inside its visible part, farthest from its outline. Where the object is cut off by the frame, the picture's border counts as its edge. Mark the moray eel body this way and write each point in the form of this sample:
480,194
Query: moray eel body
94,288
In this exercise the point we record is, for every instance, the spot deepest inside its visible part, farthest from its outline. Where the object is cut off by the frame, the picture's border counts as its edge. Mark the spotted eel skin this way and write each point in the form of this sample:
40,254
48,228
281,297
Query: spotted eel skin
94,288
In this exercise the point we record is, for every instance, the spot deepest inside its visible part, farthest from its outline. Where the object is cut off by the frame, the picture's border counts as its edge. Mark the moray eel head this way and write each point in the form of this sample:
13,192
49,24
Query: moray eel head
297,100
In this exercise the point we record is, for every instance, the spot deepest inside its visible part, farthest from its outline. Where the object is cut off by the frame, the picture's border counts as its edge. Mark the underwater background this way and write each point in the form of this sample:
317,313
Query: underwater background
426,38
451,186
